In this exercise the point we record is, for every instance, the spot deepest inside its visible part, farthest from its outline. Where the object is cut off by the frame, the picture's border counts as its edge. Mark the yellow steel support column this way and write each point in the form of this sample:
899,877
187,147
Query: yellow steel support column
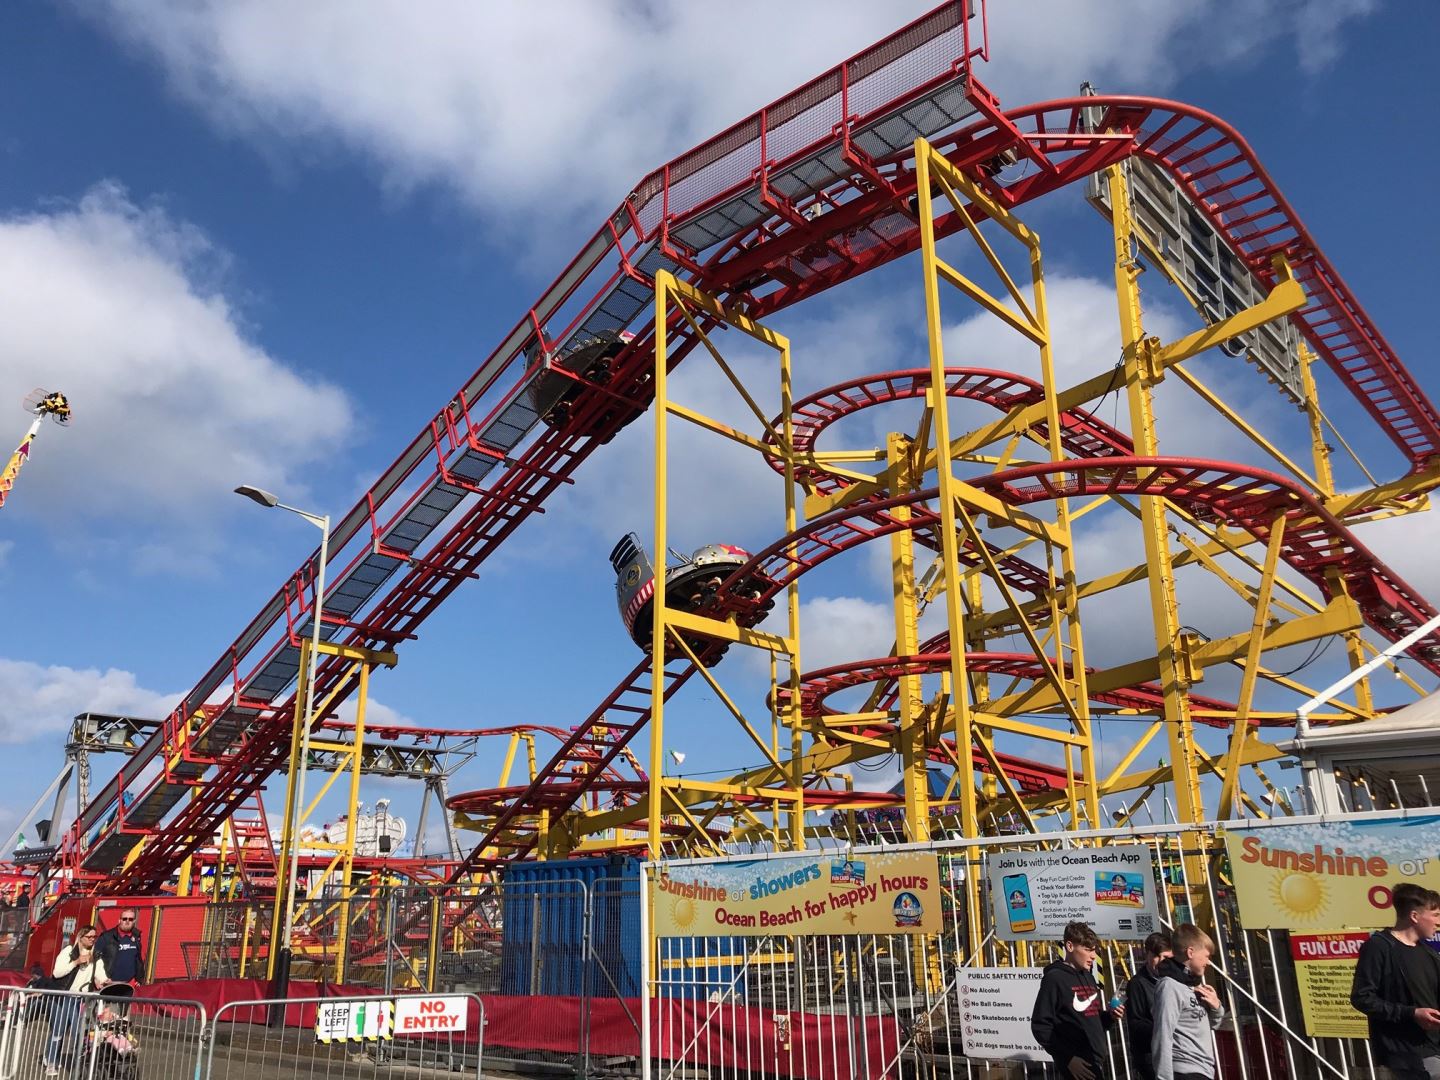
1325,480
347,854
656,796
283,885
1140,374
1230,783
937,402
792,598
357,673
914,761
667,624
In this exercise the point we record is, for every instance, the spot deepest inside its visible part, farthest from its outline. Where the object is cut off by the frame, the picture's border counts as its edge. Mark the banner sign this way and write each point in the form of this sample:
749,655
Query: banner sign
995,1008
828,894
1035,893
1324,970
1337,874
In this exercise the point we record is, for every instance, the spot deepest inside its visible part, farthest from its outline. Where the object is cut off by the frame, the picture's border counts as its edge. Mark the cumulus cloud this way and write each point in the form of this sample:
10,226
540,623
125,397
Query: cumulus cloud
507,106
121,307
37,701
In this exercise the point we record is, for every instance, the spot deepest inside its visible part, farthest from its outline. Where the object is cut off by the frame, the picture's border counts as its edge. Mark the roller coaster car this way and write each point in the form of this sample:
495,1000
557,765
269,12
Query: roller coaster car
690,584
553,395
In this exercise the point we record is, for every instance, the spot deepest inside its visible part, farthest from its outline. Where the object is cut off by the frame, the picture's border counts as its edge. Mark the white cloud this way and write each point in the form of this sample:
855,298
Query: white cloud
837,629
119,306
36,701
508,105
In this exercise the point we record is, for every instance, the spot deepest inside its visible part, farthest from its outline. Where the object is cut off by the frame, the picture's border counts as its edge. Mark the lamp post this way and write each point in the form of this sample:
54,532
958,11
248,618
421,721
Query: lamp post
281,981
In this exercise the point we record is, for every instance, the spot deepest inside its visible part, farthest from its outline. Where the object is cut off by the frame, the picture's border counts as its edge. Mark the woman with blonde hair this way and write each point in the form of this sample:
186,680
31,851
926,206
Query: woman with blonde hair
85,972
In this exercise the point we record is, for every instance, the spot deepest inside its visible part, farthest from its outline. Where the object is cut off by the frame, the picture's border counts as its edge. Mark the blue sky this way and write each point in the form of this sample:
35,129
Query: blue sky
263,244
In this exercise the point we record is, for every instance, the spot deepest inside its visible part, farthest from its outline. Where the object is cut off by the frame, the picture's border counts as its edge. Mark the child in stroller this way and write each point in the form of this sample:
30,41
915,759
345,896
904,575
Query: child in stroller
109,1039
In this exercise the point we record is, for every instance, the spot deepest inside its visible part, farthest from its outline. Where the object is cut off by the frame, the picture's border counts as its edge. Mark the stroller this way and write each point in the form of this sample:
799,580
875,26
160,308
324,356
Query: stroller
108,1037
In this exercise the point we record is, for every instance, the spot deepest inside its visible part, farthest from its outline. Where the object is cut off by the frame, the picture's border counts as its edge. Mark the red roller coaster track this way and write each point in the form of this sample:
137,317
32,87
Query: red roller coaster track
727,216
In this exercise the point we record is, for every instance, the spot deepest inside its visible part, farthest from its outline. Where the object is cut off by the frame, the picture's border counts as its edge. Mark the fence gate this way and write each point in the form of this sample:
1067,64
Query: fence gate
415,1035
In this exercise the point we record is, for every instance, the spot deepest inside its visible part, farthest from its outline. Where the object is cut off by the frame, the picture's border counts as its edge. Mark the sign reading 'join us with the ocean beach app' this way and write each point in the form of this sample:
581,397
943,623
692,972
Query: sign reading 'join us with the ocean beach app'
1036,893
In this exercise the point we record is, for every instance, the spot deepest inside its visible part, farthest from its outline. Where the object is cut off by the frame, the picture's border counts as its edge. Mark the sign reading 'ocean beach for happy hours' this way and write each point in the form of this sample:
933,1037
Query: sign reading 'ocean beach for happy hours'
827,894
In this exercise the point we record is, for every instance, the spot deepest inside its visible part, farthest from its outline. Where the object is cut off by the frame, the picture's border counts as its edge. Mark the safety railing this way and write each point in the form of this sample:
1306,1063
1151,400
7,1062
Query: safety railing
106,1036
332,1038
558,960
47,1034
876,1004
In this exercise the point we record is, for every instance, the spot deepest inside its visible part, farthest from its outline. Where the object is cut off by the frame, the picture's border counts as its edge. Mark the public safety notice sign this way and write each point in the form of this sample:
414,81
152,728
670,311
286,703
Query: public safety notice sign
828,893
1035,893
995,1008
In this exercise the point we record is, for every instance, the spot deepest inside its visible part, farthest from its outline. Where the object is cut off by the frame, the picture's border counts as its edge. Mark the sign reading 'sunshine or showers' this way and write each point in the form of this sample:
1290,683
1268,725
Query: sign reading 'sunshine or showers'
829,893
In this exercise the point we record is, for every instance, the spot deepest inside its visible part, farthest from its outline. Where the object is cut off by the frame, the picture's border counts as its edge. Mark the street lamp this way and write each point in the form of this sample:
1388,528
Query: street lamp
281,981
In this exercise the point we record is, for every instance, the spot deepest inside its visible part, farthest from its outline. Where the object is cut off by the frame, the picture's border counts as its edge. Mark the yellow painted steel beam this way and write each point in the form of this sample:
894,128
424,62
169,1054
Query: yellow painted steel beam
1052,676
1143,367
937,405
1241,729
725,698
1285,298
728,630
911,732
722,787
1340,615
1190,379
1406,487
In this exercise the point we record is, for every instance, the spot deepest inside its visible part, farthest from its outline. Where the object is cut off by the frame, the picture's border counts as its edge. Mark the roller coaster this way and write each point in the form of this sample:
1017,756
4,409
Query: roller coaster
899,152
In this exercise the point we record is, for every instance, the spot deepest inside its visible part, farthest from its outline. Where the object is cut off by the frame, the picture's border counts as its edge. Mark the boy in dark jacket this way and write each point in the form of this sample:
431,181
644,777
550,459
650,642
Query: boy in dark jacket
1140,1004
1397,986
1070,1016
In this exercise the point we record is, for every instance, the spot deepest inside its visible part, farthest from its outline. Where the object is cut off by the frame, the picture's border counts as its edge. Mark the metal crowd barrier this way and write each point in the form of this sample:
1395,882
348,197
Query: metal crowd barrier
868,1006
50,1033
417,1036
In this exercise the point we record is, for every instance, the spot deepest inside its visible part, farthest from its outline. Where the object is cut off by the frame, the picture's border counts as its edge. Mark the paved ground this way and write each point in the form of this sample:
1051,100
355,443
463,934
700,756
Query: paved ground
169,1047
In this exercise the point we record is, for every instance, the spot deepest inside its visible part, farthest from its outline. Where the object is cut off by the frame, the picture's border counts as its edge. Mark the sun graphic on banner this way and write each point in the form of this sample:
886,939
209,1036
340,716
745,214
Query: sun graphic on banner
1301,896
682,912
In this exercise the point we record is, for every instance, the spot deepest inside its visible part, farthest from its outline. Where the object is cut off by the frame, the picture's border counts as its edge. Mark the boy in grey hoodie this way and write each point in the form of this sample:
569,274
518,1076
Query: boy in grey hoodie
1186,1011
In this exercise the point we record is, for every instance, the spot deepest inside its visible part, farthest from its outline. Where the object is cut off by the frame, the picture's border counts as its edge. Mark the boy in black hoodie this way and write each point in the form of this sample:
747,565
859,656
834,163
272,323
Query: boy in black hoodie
1397,985
1070,1016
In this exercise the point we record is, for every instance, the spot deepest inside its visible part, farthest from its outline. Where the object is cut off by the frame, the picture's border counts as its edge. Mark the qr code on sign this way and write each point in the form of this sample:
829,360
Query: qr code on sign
1144,924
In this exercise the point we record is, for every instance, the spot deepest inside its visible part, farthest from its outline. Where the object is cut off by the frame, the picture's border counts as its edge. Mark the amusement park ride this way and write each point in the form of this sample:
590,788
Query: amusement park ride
53,405
899,152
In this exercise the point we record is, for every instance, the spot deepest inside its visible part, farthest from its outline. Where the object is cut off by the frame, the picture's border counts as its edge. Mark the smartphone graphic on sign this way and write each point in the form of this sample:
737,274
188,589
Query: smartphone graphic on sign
1017,903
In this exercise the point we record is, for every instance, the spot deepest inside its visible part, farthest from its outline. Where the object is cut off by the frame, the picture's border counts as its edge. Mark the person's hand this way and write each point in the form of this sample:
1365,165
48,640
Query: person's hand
1429,1019
1207,995
1080,1069
1118,1012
